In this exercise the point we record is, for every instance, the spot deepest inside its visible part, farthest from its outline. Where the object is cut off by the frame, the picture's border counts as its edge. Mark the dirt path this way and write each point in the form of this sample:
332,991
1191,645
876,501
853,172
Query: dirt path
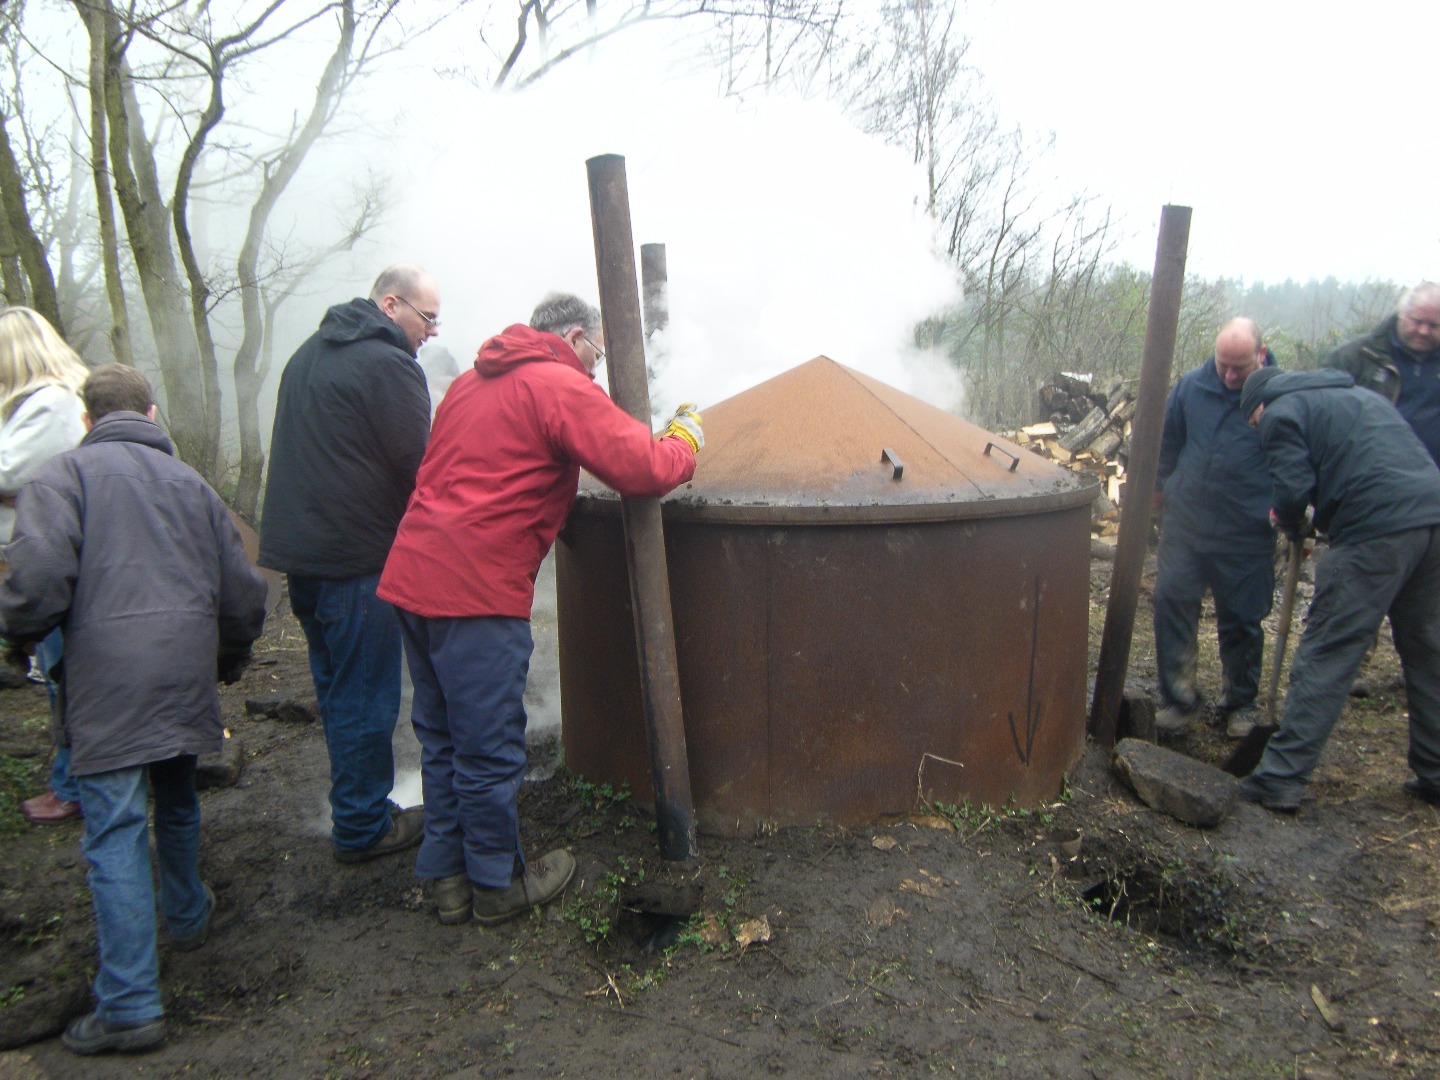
960,941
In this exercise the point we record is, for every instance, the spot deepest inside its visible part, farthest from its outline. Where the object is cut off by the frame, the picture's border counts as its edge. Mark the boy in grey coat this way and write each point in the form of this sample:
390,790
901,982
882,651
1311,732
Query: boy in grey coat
132,553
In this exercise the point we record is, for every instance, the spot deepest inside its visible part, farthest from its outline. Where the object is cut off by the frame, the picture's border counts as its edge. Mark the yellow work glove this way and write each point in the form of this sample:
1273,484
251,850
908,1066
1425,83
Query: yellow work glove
685,424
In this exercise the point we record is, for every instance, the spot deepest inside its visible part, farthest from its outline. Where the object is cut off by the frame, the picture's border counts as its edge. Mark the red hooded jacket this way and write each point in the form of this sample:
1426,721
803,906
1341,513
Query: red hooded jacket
500,476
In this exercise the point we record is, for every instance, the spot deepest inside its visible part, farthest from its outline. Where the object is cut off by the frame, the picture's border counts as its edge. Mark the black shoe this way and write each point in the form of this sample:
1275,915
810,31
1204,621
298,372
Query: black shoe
1424,792
406,828
191,942
1253,790
91,1035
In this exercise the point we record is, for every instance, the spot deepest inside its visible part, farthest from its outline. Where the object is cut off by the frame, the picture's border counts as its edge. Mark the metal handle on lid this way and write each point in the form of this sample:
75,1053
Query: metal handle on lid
889,455
1014,458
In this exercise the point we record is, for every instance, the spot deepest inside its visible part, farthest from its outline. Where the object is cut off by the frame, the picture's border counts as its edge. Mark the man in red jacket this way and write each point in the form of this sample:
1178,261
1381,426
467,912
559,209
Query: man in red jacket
495,486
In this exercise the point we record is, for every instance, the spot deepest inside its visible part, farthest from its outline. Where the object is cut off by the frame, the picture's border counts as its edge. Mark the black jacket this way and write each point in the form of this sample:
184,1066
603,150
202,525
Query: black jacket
351,424
1348,453
135,557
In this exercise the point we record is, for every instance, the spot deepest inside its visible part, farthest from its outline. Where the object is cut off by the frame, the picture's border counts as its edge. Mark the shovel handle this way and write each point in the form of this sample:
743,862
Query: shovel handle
1282,636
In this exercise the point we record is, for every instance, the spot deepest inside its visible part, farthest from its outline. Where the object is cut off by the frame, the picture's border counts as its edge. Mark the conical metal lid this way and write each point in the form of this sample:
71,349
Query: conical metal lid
824,443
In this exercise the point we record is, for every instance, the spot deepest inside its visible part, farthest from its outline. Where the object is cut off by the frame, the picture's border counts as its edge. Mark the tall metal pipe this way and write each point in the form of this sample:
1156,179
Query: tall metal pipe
1161,322
644,533
655,281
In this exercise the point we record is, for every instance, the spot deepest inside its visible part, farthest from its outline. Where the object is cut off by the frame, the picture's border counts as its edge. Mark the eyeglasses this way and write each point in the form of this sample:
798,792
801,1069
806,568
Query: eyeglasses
430,320
599,352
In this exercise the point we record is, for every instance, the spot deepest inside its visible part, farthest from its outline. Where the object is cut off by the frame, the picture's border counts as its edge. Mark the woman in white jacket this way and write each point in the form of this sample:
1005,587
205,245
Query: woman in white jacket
40,412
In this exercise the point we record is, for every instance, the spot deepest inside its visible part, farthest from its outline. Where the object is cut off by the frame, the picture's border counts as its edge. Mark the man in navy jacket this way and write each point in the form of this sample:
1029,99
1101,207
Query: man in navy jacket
1216,533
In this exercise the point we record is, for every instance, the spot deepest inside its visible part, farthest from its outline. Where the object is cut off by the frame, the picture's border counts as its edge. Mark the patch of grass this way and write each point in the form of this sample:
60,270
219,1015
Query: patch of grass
20,778
594,912
600,796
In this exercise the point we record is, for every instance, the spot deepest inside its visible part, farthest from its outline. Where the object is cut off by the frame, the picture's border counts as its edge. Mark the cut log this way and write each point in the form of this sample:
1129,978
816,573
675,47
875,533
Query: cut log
1035,431
1083,433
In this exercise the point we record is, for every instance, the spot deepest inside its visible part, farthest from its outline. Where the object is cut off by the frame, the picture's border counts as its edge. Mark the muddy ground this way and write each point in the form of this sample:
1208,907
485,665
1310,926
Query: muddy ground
956,941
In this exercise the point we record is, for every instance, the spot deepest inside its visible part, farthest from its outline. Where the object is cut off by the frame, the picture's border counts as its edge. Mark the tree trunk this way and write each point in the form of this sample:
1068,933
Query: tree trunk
278,175
38,287
175,346
95,27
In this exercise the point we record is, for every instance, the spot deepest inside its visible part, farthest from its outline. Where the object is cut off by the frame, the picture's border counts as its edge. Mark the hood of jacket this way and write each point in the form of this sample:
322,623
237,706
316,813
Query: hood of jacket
359,319
129,427
519,344
1287,382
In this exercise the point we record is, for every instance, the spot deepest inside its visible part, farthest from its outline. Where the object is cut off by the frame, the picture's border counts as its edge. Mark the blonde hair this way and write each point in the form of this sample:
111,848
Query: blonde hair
33,355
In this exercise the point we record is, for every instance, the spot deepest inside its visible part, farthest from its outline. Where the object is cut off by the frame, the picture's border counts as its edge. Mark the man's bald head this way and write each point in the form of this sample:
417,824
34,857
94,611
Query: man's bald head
410,298
1238,351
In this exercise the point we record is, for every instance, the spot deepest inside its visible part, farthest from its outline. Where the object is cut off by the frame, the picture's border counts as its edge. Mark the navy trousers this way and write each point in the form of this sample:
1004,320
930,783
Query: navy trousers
1243,584
1356,586
469,717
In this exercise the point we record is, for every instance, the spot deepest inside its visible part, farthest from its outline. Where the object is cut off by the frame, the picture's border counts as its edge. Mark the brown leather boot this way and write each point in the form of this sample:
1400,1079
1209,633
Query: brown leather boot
49,809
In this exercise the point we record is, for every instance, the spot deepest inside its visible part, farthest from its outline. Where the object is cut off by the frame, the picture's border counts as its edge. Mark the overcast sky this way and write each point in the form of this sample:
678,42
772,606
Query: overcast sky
1302,133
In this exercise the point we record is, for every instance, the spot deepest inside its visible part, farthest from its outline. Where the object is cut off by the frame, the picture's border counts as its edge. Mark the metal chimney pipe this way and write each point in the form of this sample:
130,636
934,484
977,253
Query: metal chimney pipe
644,533
656,284
1161,323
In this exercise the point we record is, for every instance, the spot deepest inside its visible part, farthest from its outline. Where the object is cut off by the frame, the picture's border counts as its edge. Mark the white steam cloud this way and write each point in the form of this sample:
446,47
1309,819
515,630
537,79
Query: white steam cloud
788,232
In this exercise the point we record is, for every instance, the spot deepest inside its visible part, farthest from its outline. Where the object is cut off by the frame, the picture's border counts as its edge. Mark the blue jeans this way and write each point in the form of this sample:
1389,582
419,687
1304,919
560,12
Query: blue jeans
354,641
49,652
127,987
1243,584
469,715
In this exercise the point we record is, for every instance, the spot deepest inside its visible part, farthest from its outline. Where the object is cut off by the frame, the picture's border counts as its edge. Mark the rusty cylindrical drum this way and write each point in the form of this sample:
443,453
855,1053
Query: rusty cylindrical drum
874,602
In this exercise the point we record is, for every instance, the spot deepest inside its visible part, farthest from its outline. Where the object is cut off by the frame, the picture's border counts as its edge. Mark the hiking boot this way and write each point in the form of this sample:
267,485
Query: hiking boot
91,1035
452,897
543,881
1257,791
1240,723
1424,792
406,826
1176,719
191,942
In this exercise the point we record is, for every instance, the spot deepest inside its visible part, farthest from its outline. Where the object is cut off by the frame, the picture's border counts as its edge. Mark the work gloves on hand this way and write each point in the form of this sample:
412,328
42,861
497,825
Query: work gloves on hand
685,424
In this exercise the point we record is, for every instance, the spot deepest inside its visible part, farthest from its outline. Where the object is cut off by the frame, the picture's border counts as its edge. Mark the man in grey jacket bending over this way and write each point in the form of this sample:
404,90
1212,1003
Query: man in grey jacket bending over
133,554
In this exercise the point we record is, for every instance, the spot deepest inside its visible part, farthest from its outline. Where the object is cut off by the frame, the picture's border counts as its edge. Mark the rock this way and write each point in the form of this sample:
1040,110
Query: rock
222,769
298,712
1137,715
1186,789
286,710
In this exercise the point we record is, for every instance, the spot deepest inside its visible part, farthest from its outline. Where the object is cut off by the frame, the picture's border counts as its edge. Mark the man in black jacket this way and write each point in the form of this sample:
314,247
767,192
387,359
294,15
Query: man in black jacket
1400,360
136,557
351,423
1376,493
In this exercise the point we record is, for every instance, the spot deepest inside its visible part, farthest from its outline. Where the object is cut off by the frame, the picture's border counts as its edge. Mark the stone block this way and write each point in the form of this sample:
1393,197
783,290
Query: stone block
1137,715
1186,789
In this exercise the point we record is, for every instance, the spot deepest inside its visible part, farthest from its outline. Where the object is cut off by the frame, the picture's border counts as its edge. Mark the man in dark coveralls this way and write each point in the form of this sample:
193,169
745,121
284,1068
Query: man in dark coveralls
1376,494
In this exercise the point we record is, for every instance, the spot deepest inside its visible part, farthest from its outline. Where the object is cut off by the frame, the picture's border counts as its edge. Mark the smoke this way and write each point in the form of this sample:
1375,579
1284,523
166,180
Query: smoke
788,232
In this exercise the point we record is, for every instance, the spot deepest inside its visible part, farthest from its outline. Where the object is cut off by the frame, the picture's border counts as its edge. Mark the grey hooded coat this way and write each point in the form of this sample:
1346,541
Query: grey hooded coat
135,557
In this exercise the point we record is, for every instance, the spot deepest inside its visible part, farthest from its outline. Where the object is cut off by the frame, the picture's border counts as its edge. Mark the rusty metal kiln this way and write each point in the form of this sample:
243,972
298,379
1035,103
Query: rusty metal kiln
872,598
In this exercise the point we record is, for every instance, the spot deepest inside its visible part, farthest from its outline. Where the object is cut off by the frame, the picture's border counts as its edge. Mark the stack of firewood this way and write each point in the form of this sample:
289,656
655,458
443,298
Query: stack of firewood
1087,429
